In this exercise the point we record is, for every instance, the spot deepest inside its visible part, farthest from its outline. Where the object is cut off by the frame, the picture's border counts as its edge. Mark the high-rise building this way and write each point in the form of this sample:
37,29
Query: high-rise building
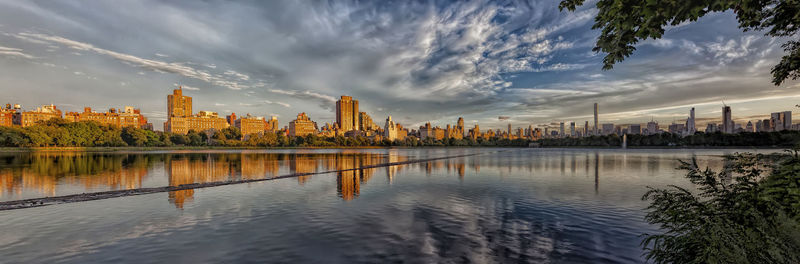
561,130
781,121
749,127
365,122
572,129
347,113
390,129
180,119
586,129
302,126
727,122
595,120
509,130
178,105
690,123
272,124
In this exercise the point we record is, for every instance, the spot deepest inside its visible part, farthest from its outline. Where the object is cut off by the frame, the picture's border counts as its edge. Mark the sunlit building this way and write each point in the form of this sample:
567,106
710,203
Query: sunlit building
347,115
302,126
43,113
129,117
180,118
249,125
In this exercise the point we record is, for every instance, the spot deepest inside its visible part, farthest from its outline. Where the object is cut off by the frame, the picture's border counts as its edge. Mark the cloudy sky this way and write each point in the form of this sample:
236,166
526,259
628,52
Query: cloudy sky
415,60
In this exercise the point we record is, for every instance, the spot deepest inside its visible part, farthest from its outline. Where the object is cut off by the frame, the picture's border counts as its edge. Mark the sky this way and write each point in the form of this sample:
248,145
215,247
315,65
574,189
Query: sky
418,61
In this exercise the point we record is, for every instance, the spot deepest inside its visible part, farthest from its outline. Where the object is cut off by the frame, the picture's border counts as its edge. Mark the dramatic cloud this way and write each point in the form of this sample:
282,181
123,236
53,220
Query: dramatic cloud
418,61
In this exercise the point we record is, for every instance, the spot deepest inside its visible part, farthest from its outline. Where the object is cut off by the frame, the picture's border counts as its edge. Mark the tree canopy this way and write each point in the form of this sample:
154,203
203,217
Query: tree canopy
625,22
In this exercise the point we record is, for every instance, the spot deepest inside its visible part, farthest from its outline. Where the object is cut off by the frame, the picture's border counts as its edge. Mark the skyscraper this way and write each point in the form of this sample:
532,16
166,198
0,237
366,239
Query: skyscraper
347,113
178,105
561,130
727,122
595,120
781,121
572,129
690,123
586,129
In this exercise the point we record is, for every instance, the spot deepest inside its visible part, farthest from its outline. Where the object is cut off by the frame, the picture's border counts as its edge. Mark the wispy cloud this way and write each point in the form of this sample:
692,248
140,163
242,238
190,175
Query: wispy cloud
14,52
154,65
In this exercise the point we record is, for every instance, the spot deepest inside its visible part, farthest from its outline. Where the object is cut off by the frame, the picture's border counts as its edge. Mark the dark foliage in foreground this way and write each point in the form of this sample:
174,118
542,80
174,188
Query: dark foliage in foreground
737,215
623,23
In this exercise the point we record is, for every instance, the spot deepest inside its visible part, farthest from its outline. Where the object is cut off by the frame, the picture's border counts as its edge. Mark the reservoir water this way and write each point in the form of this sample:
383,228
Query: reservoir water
499,205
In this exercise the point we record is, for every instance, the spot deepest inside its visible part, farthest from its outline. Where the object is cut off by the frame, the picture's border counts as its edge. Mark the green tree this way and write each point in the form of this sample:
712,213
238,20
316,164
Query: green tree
625,22
736,216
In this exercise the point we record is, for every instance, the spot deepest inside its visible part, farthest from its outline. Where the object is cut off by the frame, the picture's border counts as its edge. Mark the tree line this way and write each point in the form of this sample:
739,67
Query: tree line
717,139
61,133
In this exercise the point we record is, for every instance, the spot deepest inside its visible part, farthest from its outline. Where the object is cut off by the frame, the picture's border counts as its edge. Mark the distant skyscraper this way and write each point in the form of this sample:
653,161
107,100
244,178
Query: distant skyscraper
586,129
509,130
652,127
561,130
749,127
595,119
347,113
781,121
572,129
727,122
690,123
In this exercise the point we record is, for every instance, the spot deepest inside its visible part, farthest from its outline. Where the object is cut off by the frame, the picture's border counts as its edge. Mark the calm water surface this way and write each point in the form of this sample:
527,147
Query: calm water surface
504,205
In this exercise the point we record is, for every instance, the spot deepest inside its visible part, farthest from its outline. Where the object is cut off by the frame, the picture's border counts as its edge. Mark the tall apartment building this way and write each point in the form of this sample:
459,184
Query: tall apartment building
781,121
365,122
595,121
390,129
43,113
302,126
727,122
691,127
272,124
180,118
347,114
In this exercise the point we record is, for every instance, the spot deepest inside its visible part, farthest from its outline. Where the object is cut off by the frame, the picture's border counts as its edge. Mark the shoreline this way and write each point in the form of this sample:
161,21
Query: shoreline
114,149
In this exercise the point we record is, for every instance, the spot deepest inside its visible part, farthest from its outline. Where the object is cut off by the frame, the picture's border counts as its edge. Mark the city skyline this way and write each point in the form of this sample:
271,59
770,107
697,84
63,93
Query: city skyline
534,67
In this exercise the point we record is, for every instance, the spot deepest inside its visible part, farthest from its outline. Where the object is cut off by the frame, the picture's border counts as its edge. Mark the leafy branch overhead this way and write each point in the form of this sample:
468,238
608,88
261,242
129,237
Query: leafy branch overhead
625,22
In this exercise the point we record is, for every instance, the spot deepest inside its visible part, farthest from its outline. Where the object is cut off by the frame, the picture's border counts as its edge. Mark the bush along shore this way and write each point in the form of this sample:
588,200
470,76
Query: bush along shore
747,213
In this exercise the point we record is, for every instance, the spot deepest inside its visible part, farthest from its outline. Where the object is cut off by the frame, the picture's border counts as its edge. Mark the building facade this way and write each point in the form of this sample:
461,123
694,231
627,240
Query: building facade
347,115
302,126
43,113
180,118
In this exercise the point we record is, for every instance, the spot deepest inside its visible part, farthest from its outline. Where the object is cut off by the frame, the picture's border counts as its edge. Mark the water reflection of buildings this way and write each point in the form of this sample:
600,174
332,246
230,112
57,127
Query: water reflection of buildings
43,172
